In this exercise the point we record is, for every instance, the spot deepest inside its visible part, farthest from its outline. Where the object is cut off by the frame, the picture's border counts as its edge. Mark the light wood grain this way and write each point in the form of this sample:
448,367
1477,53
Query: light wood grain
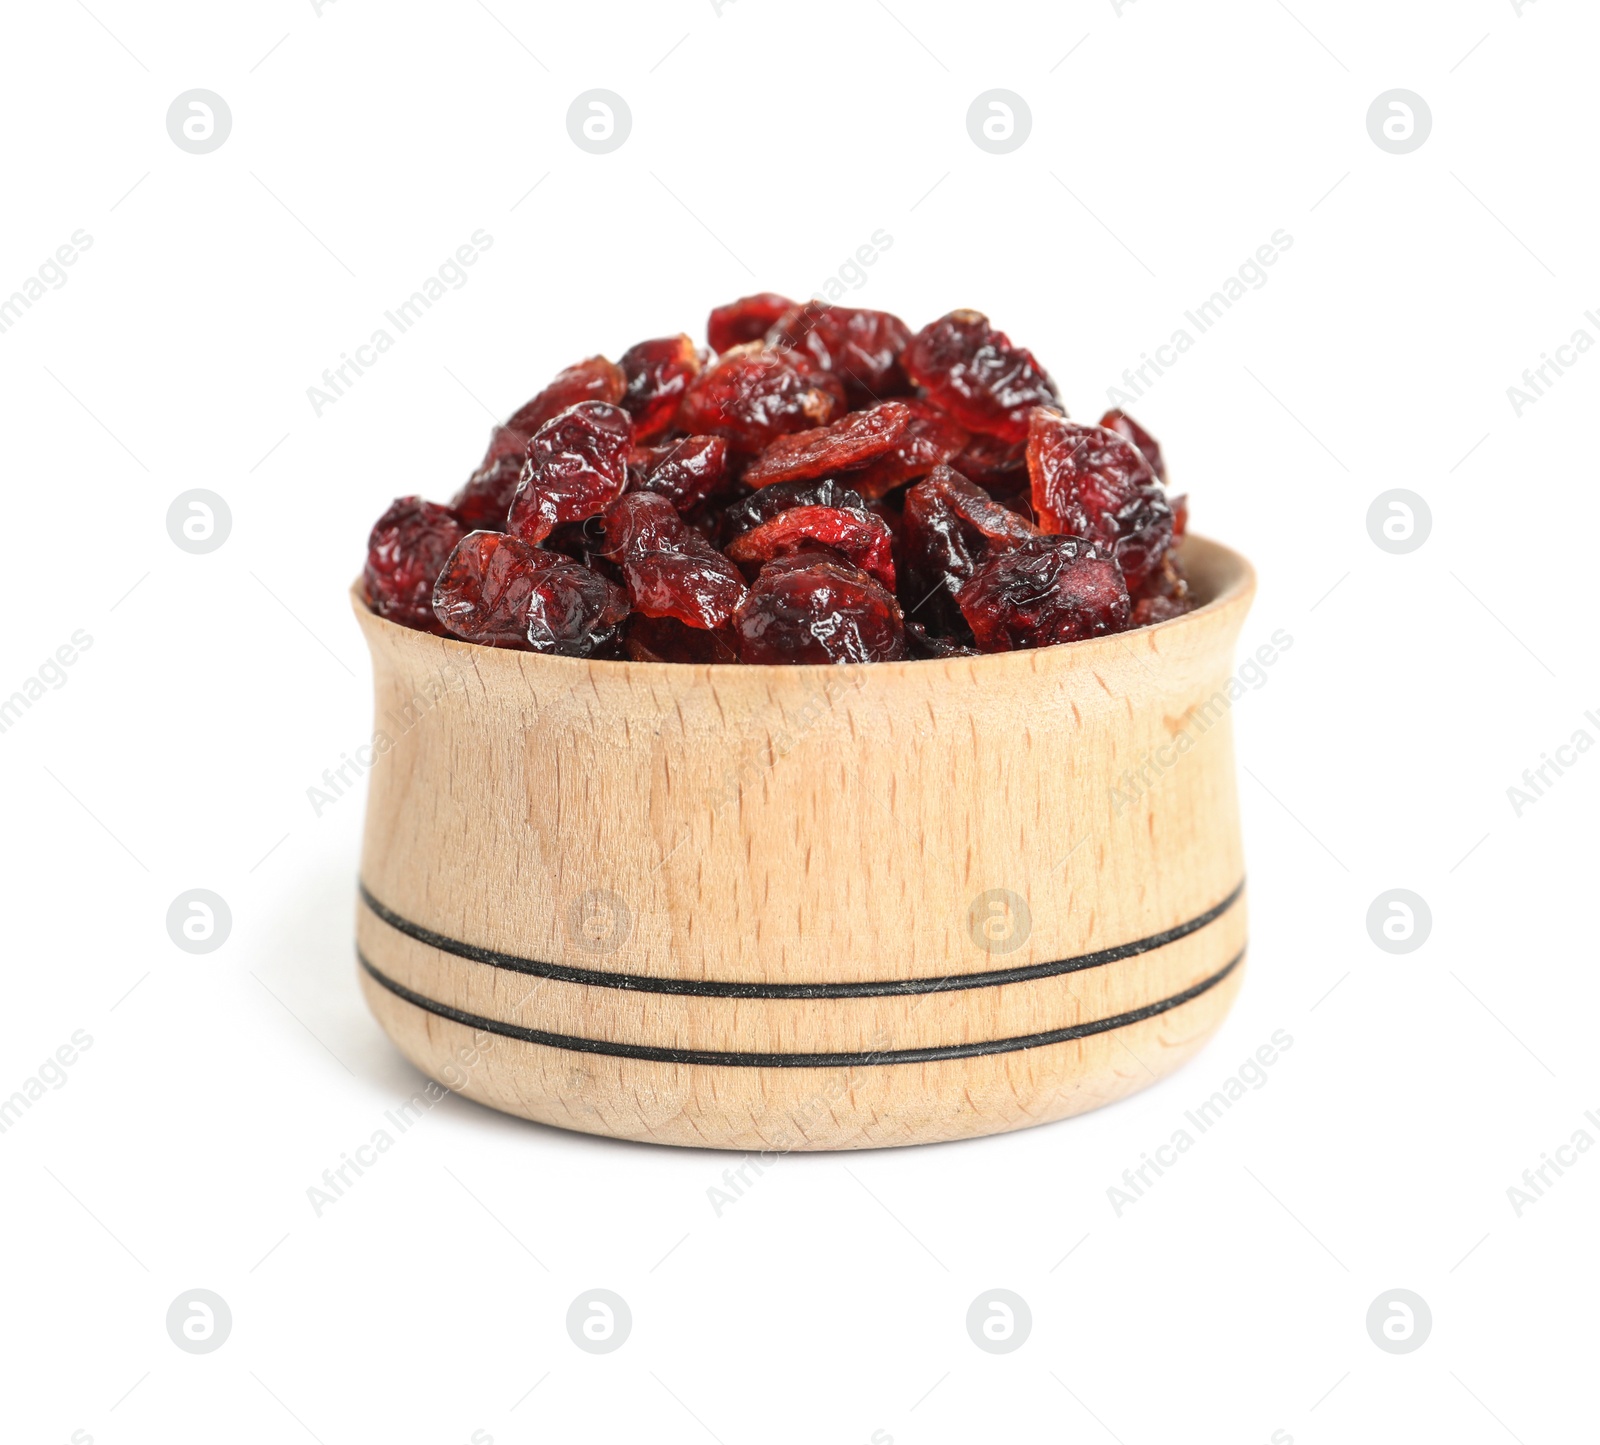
806,825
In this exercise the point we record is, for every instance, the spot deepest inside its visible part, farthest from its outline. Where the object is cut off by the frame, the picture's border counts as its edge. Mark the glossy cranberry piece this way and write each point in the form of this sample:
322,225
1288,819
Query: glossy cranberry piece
1044,591
814,609
752,395
594,379
766,503
995,465
747,319
862,348
406,551
974,373
1090,482
484,500
686,472
665,639
500,591
657,375
577,462
930,439
858,437
670,569
1164,595
951,525
859,537
1126,427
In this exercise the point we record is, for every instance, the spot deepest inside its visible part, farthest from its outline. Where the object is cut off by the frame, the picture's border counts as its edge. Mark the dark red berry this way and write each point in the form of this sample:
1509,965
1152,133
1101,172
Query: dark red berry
766,503
500,591
814,609
747,319
406,551
855,439
665,639
995,465
752,395
922,643
1092,483
1044,591
859,537
577,462
951,525
670,569
1125,426
930,438
686,472
484,500
861,348
595,379
974,373
1164,595
657,374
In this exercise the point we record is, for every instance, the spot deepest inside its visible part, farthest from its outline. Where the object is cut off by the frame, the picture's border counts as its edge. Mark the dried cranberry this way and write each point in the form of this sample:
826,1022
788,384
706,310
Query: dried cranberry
1164,595
815,609
752,395
930,438
669,568
1092,483
657,374
577,462
500,591
485,498
922,643
1125,426
747,319
860,537
994,464
951,524
1044,591
861,348
972,371
593,380
408,548
767,502
665,639
1180,517
686,472
855,439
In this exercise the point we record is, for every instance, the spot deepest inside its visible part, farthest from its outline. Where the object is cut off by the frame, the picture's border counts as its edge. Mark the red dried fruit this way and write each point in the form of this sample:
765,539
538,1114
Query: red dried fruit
577,462
1164,595
747,319
665,639
930,439
669,568
752,395
500,591
859,537
1126,427
855,439
657,375
1044,591
815,609
766,503
686,472
1092,483
594,379
994,464
861,348
922,643
951,525
972,371
406,551
485,498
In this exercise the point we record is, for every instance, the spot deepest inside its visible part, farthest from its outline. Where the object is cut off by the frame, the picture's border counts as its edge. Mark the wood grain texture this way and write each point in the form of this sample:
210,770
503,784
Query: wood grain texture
804,826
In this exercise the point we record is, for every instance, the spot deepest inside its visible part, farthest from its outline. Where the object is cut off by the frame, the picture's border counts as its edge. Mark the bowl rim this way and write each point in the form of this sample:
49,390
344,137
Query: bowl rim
1238,587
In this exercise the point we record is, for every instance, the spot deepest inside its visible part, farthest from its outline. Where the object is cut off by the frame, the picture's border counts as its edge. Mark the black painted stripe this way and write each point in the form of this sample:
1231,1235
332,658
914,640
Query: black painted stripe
658,1055
872,988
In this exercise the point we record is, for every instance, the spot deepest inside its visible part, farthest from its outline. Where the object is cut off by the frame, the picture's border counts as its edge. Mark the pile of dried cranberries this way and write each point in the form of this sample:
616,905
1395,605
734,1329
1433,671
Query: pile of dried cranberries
824,485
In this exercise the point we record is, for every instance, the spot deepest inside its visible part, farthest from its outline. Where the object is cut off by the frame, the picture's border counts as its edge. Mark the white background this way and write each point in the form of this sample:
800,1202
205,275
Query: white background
769,142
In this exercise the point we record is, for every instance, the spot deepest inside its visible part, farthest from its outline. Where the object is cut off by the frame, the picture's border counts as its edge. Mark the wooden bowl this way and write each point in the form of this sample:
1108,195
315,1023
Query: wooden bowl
774,908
